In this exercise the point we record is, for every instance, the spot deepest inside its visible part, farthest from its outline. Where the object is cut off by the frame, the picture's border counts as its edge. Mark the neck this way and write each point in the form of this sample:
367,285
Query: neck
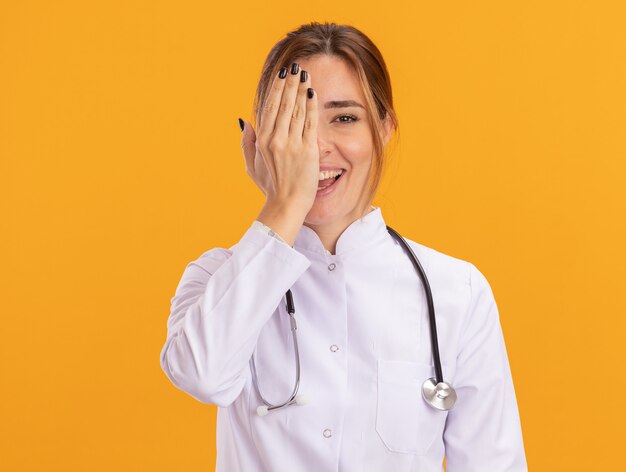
329,233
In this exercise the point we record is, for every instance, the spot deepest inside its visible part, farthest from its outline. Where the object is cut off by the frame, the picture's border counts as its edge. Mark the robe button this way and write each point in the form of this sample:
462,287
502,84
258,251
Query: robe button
331,266
328,433
334,348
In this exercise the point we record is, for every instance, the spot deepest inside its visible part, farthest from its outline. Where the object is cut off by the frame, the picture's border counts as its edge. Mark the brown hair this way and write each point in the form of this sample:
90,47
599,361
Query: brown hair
353,46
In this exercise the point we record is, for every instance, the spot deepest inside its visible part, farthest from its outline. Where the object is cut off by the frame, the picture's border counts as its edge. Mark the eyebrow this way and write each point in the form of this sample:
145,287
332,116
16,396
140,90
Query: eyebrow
342,104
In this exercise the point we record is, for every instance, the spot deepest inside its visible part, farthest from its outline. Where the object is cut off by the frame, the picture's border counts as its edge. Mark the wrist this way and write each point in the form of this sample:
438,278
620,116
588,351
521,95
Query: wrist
283,219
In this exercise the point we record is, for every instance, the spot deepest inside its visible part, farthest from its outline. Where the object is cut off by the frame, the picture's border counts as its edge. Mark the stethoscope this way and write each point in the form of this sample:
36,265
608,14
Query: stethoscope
435,391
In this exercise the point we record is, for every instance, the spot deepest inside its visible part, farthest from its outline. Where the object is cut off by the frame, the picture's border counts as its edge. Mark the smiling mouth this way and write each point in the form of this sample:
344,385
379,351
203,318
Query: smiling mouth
334,180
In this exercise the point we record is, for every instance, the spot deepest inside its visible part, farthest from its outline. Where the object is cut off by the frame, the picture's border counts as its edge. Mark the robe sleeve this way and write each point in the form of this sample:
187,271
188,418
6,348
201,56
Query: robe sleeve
483,430
222,302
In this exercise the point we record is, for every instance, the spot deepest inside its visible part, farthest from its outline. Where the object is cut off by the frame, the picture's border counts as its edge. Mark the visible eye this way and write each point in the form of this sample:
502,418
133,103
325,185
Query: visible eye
350,119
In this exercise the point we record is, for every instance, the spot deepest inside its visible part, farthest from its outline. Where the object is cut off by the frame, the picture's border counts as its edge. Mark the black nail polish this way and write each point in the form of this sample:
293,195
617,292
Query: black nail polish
294,68
283,72
309,92
303,75
241,125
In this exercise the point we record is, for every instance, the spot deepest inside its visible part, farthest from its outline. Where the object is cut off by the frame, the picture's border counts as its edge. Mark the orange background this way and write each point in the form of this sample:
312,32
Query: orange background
120,162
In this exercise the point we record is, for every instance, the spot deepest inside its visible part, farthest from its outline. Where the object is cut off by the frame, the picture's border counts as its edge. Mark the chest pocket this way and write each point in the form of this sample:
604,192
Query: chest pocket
404,421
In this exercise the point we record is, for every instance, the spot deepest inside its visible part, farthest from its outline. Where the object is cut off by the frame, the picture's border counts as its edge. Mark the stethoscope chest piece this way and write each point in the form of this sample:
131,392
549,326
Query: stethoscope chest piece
440,395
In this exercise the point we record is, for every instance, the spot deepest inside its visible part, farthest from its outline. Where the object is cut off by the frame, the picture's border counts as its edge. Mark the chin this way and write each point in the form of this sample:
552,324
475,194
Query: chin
322,214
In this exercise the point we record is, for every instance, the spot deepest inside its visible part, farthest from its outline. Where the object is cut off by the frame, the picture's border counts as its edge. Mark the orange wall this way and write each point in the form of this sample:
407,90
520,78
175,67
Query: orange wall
120,162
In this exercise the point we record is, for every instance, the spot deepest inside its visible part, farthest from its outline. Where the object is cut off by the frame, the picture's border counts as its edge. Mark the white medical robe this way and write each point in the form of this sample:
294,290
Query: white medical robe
365,350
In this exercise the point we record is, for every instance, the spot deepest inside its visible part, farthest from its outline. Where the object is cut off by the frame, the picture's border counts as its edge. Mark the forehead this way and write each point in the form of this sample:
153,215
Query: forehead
332,78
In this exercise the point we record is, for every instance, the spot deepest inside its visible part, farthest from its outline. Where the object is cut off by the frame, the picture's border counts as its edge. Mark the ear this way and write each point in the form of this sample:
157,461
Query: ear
388,127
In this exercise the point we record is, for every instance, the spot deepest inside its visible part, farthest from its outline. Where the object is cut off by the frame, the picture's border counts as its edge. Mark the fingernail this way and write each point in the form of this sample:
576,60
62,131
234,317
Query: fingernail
303,75
241,125
283,72
309,92
294,68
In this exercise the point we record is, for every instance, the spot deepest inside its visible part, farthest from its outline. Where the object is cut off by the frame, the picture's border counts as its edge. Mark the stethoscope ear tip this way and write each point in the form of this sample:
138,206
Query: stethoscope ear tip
261,410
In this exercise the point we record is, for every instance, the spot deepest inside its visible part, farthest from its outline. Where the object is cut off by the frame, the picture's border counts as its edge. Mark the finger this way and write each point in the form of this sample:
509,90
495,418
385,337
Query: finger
247,145
287,103
272,102
309,134
299,111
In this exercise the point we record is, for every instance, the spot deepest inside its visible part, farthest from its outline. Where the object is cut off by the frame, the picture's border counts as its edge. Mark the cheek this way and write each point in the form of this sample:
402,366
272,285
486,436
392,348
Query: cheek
358,153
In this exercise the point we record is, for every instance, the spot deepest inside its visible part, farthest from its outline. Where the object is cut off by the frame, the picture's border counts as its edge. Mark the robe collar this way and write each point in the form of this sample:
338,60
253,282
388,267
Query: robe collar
361,233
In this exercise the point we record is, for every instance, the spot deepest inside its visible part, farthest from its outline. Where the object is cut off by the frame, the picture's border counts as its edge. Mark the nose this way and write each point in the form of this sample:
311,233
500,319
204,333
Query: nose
324,139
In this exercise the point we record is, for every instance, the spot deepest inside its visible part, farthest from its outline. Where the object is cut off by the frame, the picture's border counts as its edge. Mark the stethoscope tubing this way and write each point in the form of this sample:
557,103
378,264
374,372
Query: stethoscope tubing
436,392
291,310
429,301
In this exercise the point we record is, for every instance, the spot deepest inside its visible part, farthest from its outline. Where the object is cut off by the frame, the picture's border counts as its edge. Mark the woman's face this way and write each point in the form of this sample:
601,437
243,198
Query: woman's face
344,138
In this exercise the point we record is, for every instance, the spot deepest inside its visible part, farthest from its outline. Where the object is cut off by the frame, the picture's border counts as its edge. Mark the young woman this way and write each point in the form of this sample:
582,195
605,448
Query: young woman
352,379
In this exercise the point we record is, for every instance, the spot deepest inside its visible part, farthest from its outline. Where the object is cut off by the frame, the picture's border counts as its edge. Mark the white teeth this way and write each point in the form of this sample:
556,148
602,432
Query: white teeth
327,174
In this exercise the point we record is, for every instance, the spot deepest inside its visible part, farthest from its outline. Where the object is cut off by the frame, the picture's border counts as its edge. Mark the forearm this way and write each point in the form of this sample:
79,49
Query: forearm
218,312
